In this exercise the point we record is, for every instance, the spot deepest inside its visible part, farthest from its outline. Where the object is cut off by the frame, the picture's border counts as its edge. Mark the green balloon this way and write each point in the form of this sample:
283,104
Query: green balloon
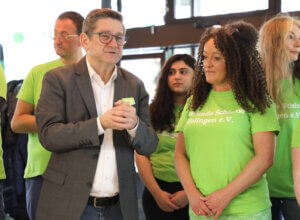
19,37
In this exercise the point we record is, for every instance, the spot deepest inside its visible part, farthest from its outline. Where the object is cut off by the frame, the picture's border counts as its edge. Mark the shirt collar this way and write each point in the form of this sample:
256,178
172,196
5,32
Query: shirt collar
92,72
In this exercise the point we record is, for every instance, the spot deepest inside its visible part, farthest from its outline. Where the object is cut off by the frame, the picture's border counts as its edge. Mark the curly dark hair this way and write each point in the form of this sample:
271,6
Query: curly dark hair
162,107
237,43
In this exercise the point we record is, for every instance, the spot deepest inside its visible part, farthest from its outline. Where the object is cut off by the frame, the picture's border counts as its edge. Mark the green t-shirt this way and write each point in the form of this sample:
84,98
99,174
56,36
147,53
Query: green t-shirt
3,90
218,140
162,160
3,85
30,91
280,175
296,136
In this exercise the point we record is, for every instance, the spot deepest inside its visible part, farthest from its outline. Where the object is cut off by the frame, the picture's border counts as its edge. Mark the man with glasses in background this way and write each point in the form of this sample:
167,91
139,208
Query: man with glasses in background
66,38
92,115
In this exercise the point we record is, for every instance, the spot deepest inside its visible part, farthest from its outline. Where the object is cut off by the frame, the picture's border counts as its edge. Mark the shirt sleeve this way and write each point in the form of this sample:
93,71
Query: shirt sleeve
265,122
26,92
184,116
132,132
100,128
3,85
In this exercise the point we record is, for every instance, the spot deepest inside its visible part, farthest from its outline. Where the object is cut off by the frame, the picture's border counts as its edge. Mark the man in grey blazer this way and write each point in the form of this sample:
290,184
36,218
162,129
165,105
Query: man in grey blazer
92,115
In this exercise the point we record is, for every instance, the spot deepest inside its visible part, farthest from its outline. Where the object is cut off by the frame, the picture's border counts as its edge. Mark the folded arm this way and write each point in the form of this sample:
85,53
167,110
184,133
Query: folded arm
57,134
23,120
182,165
146,140
162,198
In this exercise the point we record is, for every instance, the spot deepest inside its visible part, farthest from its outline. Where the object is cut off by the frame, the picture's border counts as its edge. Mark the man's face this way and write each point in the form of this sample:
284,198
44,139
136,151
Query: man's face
66,38
106,53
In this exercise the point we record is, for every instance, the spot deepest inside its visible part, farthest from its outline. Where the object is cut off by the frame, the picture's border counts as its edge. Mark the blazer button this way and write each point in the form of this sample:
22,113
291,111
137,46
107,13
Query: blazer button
89,184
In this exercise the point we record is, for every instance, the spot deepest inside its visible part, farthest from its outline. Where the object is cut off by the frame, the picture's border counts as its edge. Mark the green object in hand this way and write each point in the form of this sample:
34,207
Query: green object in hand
130,100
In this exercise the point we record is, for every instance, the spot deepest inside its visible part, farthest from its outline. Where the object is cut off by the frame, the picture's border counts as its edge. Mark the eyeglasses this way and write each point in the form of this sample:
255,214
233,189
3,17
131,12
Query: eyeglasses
106,38
64,36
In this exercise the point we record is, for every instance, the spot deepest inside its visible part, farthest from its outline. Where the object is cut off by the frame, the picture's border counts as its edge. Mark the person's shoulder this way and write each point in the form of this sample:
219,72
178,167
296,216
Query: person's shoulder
61,72
41,69
69,71
48,66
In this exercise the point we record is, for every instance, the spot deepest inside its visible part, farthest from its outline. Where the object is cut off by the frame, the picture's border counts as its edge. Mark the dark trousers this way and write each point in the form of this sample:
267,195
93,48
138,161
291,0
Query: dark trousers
112,212
33,189
285,208
152,210
2,213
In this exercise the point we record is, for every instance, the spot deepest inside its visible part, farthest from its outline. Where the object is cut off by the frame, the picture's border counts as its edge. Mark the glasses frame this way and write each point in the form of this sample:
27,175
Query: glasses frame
63,37
124,38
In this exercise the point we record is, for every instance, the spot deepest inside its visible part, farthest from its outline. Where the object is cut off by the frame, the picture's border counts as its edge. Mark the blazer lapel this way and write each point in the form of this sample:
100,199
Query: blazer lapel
120,92
120,86
85,87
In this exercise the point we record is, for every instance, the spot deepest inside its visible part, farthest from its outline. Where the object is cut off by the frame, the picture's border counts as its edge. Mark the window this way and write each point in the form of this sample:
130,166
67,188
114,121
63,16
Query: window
183,9
143,13
147,69
217,7
183,50
25,32
290,5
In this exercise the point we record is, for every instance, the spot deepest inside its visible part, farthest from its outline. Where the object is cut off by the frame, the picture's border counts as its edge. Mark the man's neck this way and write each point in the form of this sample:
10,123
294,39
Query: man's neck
72,59
179,99
104,70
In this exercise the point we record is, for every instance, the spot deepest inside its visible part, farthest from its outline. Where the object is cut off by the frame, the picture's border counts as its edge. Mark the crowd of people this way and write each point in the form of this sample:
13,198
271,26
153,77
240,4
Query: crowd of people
220,139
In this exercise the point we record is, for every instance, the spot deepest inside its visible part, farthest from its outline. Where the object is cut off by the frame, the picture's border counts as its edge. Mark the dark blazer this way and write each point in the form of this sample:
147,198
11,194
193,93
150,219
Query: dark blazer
66,119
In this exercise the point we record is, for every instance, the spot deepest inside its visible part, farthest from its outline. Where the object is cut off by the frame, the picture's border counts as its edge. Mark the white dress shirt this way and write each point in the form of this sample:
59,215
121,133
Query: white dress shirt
105,182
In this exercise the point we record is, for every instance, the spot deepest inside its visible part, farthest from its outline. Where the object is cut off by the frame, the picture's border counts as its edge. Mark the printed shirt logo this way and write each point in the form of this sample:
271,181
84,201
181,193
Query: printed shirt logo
292,112
210,117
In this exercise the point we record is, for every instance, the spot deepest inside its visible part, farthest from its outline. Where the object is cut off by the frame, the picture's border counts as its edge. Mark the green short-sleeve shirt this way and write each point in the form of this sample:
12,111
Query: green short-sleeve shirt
30,91
296,136
162,160
3,85
280,175
3,90
218,140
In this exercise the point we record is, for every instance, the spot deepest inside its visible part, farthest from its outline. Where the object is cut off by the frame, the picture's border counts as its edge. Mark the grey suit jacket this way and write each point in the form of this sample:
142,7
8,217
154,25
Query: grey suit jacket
66,119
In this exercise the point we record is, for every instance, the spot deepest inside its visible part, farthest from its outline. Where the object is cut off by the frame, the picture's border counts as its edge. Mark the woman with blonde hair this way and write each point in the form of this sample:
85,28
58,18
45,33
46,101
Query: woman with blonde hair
296,160
279,46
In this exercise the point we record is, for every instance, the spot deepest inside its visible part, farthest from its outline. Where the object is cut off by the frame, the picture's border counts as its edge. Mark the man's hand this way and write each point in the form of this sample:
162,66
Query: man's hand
121,116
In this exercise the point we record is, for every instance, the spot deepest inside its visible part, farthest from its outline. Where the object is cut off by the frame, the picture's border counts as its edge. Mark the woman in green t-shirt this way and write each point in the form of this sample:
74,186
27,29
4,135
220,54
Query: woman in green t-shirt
163,196
227,129
296,160
279,46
